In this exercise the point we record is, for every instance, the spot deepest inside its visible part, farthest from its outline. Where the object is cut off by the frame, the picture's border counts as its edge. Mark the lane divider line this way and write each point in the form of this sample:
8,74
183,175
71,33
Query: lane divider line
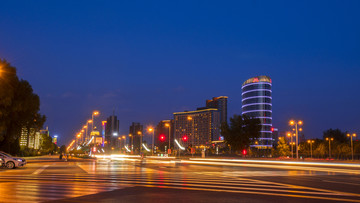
37,172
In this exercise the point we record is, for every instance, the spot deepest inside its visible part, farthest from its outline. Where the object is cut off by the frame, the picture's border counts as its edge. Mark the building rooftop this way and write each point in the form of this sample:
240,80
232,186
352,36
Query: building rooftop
257,79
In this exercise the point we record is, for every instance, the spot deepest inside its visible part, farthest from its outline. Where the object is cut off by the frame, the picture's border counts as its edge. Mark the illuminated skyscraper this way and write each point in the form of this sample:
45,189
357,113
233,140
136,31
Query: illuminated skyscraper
257,103
200,126
136,131
111,131
219,103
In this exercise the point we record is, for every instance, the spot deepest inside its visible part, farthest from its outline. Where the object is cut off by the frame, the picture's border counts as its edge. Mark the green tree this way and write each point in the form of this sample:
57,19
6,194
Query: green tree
19,107
337,134
46,146
283,148
320,150
241,132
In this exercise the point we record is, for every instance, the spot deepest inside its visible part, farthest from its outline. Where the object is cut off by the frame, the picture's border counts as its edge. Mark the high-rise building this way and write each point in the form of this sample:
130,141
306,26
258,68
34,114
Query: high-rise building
111,131
37,141
136,132
55,139
219,103
163,130
257,103
201,126
30,138
24,137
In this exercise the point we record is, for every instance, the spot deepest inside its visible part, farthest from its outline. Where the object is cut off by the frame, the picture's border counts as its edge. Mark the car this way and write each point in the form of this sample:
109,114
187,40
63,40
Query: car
12,162
2,162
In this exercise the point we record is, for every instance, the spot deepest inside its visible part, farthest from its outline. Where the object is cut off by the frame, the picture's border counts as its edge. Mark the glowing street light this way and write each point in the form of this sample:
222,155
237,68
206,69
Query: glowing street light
352,148
95,113
296,124
189,118
132,142
151,130
329,139
292,150
169,126
311,142
140,135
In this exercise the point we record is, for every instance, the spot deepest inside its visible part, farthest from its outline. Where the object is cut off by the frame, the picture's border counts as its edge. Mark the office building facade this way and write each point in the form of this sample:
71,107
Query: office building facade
111,131
200,126
136,133
219,103
257,103
163,131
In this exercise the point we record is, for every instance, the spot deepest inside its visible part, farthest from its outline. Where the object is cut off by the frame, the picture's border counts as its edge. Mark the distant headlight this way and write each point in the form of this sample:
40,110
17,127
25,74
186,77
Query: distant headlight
20,160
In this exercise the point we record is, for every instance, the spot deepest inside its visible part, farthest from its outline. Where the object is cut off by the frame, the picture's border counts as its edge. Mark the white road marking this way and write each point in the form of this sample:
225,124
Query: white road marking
37,172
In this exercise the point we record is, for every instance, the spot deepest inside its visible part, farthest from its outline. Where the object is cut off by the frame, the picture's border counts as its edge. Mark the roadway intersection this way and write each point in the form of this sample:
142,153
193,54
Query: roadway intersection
164,180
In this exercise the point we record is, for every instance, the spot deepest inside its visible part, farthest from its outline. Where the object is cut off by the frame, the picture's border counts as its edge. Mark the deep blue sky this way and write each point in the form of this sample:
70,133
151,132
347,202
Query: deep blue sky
150,59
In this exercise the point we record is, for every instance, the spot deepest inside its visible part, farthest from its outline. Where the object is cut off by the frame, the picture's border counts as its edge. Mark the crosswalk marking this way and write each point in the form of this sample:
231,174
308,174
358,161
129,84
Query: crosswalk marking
40,170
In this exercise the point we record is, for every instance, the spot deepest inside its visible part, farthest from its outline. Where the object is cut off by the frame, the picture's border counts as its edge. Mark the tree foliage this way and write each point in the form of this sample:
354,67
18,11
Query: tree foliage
337,134
241,132
282,148
19,107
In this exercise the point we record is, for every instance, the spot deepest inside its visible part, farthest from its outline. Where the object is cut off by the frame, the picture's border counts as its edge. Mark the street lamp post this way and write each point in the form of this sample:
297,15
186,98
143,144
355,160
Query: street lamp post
296,124
352,148
132,141
95,113
85,127
192,133
292,150
169,126
329,139
124,138
140,148
87,137
311,142
151,130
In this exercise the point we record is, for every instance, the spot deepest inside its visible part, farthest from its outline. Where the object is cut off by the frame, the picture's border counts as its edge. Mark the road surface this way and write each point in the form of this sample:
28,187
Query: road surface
162,180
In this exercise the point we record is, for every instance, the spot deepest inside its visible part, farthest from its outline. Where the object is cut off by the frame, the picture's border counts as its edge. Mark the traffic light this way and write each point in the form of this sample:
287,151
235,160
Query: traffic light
162,138
272,129
185,138
244,152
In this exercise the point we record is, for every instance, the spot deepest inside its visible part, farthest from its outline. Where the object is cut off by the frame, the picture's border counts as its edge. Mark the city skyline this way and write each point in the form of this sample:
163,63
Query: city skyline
150,60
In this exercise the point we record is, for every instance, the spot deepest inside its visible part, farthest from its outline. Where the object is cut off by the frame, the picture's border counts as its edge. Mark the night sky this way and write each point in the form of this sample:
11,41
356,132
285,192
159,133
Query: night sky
147,59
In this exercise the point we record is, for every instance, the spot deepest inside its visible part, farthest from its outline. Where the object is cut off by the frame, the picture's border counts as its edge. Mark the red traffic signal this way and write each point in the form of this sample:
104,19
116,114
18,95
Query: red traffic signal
272,129
162,138
185,138
244,152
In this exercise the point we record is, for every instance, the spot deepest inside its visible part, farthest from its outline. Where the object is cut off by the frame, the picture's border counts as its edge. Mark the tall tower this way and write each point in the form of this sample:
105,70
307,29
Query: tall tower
257,103
112,131
219,103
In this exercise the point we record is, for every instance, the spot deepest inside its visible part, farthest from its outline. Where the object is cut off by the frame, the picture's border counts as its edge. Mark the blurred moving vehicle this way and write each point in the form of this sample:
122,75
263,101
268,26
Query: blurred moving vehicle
2,162
12,162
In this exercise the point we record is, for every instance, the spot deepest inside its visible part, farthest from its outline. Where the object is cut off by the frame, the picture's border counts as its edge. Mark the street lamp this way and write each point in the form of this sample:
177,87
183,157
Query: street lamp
311,142
151,130
296,124
352,148
192,133
132,141
292,150
140,147
329,139
95,113
169,126
85,127
124,137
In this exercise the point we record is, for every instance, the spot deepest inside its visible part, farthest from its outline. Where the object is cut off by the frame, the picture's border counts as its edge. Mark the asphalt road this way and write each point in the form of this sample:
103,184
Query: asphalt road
151,180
